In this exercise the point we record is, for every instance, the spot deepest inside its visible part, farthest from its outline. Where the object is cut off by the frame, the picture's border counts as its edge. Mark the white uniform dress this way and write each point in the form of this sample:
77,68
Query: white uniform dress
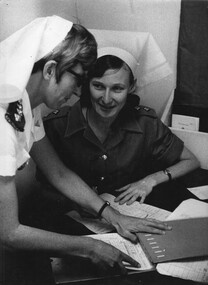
18,54
15,145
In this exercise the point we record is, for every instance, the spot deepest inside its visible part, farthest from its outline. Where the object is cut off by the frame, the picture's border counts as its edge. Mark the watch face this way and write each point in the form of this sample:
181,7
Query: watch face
167,172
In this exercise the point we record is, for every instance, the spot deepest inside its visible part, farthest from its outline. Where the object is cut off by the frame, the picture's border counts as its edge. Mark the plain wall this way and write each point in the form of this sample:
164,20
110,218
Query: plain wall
14,14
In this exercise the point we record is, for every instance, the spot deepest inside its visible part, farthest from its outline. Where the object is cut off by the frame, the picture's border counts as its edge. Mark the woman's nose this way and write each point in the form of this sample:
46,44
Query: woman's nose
106,97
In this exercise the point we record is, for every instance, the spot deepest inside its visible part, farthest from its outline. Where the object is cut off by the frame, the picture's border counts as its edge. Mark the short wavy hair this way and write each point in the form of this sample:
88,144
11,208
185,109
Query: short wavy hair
79,46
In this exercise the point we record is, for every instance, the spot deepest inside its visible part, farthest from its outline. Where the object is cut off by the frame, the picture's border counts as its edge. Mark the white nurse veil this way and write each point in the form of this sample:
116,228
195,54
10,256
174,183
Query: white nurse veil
139,50
21,50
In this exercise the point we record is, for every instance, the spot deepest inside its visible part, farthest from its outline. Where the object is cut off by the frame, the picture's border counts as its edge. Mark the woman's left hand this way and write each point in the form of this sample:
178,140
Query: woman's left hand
129,227
131,192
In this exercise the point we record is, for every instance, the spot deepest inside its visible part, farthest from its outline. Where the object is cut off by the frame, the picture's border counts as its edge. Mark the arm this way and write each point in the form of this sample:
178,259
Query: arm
73,187
15,236
131,192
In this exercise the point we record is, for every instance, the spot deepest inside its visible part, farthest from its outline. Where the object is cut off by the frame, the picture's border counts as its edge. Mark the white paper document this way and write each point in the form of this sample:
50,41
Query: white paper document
201,192
196,270
136,210
185,122
133,250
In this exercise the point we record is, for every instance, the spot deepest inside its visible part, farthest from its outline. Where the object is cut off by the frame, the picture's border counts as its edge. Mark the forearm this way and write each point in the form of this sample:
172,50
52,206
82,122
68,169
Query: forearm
53,244
177,170
74,188
62,178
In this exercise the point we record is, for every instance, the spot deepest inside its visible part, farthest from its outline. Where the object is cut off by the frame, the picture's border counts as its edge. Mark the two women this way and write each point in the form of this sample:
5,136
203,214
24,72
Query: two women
116,145
45,62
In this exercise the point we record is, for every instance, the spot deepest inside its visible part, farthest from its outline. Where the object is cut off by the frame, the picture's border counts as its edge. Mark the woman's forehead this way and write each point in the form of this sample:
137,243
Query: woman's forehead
116,76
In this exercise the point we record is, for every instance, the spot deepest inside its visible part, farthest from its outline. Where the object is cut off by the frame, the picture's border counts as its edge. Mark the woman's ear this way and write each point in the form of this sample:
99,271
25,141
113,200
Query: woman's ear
132,88
49,69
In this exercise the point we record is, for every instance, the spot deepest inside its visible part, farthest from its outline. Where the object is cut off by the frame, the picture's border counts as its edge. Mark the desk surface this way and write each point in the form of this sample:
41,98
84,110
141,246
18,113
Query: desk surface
68,272
78,272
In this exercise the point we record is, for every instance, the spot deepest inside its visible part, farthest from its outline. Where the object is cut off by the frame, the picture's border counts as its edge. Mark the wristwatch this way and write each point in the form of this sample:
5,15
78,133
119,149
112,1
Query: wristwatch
168,173
102,209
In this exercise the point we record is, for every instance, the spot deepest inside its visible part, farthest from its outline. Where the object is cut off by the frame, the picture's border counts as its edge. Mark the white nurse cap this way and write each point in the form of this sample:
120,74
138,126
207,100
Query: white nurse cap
21,50
127,57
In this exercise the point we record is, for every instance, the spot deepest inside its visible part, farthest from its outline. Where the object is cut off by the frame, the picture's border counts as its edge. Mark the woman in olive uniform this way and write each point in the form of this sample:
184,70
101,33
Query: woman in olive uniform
116,145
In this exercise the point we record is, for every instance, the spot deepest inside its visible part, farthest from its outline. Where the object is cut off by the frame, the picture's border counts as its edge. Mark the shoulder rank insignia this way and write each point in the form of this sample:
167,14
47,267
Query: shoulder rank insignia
137,108
63,111
56,112
146,109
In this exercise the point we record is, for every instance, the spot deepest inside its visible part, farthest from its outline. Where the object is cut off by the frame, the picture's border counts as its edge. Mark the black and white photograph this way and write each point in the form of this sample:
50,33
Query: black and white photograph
103,142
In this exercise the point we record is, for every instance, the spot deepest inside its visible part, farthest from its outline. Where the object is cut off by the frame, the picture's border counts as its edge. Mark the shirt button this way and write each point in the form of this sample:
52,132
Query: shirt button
104,157
102,178
94,188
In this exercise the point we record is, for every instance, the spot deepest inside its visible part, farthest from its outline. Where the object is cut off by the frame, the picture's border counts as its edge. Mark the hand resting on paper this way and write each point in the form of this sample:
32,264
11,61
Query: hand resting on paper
128,226
131,192
110,259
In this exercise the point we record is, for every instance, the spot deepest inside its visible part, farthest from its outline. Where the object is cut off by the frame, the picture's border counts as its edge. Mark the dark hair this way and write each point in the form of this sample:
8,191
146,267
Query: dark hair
79,46
98,69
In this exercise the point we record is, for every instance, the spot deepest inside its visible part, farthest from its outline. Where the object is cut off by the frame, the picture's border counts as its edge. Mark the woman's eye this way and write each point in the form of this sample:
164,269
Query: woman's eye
118,89
97,86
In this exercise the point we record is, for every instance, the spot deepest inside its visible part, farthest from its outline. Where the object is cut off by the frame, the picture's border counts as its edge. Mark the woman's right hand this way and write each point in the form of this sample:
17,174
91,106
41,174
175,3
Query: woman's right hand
109,258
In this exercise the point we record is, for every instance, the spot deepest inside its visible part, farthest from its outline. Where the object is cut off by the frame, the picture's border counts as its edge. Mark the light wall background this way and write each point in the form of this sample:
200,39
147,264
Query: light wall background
158,17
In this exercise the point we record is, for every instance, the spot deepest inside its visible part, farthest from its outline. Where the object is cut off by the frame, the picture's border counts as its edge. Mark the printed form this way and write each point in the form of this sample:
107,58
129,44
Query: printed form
136,209
133,250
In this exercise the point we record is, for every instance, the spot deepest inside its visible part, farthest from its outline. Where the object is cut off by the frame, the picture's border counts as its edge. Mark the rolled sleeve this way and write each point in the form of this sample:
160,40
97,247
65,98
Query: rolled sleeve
12,152
7,147
167,147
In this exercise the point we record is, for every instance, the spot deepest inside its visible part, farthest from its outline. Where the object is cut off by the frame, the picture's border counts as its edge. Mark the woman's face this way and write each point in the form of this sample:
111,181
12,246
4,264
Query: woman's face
59,92
109,92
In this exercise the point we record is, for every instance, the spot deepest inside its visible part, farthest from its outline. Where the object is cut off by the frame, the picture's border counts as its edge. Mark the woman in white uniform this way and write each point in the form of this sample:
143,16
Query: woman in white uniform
45,62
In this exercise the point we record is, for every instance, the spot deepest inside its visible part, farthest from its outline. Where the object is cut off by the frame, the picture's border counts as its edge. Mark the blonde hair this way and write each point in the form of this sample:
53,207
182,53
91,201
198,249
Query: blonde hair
79,46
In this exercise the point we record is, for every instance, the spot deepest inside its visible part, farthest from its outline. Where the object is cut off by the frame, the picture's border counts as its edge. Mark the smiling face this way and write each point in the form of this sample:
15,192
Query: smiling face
109,92
58,93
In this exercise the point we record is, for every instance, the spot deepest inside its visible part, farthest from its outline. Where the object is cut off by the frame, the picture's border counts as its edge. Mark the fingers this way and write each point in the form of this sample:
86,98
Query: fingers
135,197
123,198
126,187
130,197
129,262
120,264
143,197
160,225
125,195
155,227
129,235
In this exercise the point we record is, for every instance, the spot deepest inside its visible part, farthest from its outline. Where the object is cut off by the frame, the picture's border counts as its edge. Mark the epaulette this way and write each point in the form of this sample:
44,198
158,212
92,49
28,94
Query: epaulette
145,111
59,113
